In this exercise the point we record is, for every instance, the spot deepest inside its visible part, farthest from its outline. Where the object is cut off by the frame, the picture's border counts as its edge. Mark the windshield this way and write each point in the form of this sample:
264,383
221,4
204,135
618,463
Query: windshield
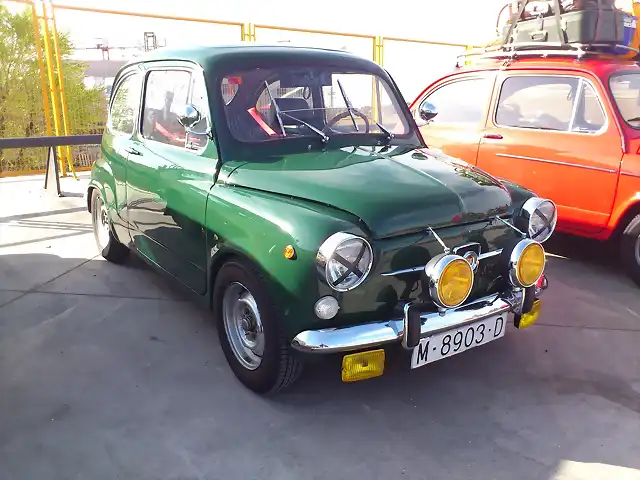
263,105
625,88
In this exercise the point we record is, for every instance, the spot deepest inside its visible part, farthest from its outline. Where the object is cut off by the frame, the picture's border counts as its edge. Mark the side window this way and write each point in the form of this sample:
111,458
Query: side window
461,102
124,107
550,103
166,94
544,103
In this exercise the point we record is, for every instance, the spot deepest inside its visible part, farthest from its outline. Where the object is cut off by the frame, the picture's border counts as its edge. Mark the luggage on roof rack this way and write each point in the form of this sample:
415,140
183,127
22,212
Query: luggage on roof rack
597,26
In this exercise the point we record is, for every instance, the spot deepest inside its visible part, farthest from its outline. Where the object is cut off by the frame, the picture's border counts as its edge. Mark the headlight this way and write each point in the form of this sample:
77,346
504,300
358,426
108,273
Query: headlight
539,217
345,261
450,279
526,263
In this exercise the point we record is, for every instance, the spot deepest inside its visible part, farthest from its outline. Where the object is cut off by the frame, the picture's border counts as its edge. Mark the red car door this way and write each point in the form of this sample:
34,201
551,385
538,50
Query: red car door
462,102
553,132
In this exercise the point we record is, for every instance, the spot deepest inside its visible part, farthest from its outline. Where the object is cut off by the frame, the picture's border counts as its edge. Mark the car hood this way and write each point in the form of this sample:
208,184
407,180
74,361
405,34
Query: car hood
393,193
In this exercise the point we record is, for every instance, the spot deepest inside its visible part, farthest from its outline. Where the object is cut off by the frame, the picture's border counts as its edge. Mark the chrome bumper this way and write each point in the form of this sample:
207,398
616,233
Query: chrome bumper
356,337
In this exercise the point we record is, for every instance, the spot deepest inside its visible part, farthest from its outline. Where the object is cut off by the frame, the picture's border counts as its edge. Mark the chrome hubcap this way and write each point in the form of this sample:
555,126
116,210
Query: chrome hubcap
243,325
637,250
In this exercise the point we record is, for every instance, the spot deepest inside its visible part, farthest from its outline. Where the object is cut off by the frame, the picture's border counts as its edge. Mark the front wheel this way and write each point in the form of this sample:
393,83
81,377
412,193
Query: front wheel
108,245
630,249
251,339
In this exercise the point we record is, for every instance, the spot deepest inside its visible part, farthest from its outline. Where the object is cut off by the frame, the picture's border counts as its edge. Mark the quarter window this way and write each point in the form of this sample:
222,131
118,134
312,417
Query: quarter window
125,104
461,102
550,103
166,95
199,100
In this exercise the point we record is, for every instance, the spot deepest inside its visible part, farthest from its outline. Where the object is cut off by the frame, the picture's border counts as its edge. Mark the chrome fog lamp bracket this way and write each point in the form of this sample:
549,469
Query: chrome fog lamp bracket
515,299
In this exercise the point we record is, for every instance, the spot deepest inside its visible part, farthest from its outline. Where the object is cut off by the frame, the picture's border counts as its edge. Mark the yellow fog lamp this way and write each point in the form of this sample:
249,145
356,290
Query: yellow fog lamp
526,263
449,280
363,365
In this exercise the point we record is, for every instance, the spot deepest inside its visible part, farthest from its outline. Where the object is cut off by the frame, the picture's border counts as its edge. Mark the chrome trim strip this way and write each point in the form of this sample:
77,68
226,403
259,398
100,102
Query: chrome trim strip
401,272
629,174
470,244
356,337
493,253
481,257
555,162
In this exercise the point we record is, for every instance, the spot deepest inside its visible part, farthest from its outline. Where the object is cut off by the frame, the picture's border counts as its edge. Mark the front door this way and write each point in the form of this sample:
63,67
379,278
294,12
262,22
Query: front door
117,141
462,105
170,174
553,134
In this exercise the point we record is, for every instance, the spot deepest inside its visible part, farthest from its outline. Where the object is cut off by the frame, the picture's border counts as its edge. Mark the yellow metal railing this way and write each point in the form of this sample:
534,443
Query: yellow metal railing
60,114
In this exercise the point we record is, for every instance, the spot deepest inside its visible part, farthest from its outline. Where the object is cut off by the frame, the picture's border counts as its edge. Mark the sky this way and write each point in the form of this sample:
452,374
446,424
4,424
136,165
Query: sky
412,65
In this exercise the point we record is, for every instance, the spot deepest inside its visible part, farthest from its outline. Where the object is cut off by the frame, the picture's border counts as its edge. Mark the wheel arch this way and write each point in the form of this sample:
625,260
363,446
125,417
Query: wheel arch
222,257
622,220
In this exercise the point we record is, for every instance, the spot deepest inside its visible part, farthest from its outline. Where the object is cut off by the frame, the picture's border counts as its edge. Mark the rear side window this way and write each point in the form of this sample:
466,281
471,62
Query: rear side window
165,97
550,103
625,88
461,102
125,104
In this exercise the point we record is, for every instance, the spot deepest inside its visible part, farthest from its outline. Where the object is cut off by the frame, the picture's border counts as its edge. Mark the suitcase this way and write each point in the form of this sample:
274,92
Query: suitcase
588,26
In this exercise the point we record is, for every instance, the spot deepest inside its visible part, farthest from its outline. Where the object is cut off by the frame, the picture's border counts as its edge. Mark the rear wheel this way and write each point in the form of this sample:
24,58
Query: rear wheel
630,249
251,338
110,248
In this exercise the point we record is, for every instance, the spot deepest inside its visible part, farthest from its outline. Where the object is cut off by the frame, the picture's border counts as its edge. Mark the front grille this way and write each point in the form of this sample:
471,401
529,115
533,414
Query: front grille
400,260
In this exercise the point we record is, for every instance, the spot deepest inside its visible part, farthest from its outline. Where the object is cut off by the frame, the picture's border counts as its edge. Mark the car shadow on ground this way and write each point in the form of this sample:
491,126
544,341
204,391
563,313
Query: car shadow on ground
527,401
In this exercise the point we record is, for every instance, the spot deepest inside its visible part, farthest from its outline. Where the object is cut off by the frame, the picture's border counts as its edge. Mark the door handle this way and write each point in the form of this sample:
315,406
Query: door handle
493,136
132,151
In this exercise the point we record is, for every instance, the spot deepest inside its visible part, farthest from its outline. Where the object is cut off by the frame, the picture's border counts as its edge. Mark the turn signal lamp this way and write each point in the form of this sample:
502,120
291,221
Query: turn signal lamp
363,365
289,252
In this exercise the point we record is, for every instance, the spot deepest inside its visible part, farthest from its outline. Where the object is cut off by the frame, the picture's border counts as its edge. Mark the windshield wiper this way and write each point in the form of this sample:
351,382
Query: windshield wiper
324,136
276,109
353,112
279,114
350,108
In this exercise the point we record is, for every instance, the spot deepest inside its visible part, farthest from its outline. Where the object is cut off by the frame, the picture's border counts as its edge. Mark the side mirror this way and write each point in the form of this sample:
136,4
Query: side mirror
189,117
427,111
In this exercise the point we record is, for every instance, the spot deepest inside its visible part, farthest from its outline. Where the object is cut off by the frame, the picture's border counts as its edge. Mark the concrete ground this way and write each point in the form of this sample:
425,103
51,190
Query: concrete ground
106,372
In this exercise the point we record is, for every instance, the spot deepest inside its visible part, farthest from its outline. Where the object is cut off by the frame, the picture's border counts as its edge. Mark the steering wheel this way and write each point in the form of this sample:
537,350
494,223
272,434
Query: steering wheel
344,115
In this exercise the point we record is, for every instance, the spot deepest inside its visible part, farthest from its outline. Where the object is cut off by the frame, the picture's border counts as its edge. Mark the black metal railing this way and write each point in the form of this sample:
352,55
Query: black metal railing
51,143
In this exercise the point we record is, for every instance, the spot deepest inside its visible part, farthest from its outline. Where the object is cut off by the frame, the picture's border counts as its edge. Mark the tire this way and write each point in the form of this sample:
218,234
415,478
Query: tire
630,249
108,245
240,298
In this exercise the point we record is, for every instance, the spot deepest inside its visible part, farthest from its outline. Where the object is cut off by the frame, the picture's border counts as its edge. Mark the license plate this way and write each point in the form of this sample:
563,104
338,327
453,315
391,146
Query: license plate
446,344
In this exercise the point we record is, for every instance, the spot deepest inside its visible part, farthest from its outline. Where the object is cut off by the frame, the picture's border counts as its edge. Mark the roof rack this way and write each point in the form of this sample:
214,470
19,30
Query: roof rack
513,50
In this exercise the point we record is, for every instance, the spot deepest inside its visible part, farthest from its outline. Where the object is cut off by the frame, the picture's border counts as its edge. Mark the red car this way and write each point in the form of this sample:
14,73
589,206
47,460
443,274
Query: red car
567,128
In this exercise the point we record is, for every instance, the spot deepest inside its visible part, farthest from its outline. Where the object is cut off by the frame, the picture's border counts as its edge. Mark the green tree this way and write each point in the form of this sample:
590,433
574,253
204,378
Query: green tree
21,103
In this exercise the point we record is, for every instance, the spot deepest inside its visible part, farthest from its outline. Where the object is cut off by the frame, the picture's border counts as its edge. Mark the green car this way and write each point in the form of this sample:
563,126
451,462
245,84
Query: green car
290,189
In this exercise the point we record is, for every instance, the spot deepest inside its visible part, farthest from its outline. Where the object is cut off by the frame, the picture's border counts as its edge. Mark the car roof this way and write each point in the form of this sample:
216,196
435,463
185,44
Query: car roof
599,66
213,57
